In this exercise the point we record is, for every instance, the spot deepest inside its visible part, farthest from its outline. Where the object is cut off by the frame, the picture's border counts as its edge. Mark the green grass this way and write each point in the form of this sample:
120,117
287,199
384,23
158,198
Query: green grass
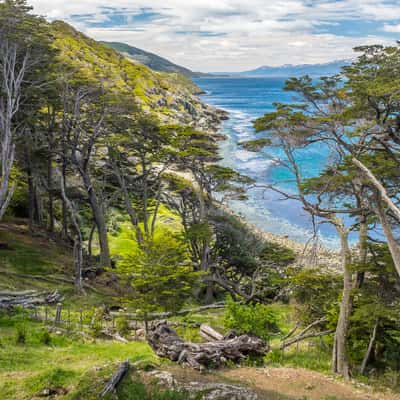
29,368
316,359
28,256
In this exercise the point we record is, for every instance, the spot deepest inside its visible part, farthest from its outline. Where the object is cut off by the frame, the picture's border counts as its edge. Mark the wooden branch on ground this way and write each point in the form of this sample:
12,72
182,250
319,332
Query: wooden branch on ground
28,299
114,335
299,338
302,335
166,343
209,333
51,279
115,379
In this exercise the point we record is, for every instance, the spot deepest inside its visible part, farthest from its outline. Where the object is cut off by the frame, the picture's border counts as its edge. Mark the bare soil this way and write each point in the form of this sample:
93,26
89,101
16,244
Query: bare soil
287,384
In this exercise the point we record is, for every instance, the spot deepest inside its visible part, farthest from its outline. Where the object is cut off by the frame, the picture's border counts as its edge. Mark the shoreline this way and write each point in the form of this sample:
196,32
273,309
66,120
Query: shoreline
309,254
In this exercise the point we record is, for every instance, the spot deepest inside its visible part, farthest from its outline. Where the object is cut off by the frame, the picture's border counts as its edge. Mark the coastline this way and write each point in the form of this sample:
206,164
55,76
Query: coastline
310,254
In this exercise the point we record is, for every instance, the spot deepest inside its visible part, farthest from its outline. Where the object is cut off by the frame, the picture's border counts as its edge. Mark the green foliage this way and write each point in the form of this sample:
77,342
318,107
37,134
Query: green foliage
45,337
122,325
21,334
160,275
376,304
256,319
277,254
133,389
317,293
315,358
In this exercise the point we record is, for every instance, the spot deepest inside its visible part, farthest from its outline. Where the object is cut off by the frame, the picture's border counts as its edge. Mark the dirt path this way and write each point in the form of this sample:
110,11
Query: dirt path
285,383
301,384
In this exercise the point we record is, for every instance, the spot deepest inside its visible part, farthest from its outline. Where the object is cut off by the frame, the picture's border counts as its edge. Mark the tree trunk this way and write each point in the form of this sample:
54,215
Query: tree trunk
378,186
90,240
99,220
394,247
50,225
166,343
339,357
369,350
128,205
78,248
31,198
363,250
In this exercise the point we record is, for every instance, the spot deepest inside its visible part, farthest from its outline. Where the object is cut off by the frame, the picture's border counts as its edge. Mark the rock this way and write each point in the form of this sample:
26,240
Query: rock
203,391
164,379
309,386
220,391
47,392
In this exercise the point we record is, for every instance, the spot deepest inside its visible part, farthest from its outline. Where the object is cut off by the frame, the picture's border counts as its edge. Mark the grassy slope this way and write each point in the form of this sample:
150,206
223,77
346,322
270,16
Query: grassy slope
152,60
167,95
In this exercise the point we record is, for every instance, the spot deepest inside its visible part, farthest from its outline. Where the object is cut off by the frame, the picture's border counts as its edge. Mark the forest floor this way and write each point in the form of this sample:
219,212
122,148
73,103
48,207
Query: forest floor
32,361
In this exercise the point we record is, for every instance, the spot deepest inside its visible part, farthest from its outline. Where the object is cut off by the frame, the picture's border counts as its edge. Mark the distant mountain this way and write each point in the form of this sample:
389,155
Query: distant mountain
151,60
286,70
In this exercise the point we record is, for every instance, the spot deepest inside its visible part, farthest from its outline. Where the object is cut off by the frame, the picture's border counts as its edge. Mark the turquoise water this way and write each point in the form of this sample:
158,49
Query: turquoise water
246,99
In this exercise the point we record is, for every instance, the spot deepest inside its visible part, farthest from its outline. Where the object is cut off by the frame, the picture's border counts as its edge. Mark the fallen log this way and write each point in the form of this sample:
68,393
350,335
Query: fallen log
28,298
209,333
115,379
166,343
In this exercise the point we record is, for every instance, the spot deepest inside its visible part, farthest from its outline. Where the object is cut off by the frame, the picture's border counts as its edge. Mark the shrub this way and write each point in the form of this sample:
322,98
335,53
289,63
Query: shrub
45,338
122,325
256,319
21,334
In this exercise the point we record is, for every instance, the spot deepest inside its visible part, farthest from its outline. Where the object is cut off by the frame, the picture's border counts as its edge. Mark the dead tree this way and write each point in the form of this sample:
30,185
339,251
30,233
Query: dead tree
166,343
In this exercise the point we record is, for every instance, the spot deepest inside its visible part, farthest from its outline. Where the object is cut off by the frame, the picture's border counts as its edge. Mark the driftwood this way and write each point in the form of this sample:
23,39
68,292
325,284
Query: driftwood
28,298
115,379
166,343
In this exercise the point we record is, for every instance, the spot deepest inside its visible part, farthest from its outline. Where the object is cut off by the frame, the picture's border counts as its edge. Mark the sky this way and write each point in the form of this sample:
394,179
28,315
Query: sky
234,35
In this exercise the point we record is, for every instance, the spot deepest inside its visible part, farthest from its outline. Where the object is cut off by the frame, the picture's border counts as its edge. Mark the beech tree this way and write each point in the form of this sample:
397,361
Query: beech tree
25,56
322,116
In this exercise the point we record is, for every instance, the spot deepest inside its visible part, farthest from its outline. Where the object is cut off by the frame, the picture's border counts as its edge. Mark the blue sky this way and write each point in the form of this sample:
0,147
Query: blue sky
234,35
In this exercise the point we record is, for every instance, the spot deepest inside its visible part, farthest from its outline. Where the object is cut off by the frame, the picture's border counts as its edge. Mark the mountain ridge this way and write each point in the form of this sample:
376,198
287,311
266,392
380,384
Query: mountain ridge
151,60
329,68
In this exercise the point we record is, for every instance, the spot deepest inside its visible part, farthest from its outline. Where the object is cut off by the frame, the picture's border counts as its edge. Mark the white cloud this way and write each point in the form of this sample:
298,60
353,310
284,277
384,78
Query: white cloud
232,35
391,28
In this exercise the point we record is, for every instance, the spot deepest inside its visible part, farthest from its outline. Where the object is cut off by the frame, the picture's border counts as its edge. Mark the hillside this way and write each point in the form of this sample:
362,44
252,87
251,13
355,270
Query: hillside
171,97
74,364
287,70
151,60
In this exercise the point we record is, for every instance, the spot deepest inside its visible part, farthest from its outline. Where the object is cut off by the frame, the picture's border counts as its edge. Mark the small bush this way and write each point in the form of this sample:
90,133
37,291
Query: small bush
256,319
21,334
45,338
122,325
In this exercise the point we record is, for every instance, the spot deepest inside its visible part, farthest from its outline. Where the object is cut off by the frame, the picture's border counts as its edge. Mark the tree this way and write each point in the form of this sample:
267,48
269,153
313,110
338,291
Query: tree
321,117
85,114
160,274
25,52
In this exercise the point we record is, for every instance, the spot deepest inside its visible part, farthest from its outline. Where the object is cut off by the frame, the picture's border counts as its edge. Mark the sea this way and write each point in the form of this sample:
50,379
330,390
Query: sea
246,99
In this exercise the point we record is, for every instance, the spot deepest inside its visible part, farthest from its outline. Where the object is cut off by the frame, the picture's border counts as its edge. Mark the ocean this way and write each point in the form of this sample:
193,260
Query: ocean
246,99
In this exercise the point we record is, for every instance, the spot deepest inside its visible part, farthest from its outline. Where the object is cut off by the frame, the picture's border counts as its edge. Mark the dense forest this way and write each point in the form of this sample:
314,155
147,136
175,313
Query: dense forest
113,201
